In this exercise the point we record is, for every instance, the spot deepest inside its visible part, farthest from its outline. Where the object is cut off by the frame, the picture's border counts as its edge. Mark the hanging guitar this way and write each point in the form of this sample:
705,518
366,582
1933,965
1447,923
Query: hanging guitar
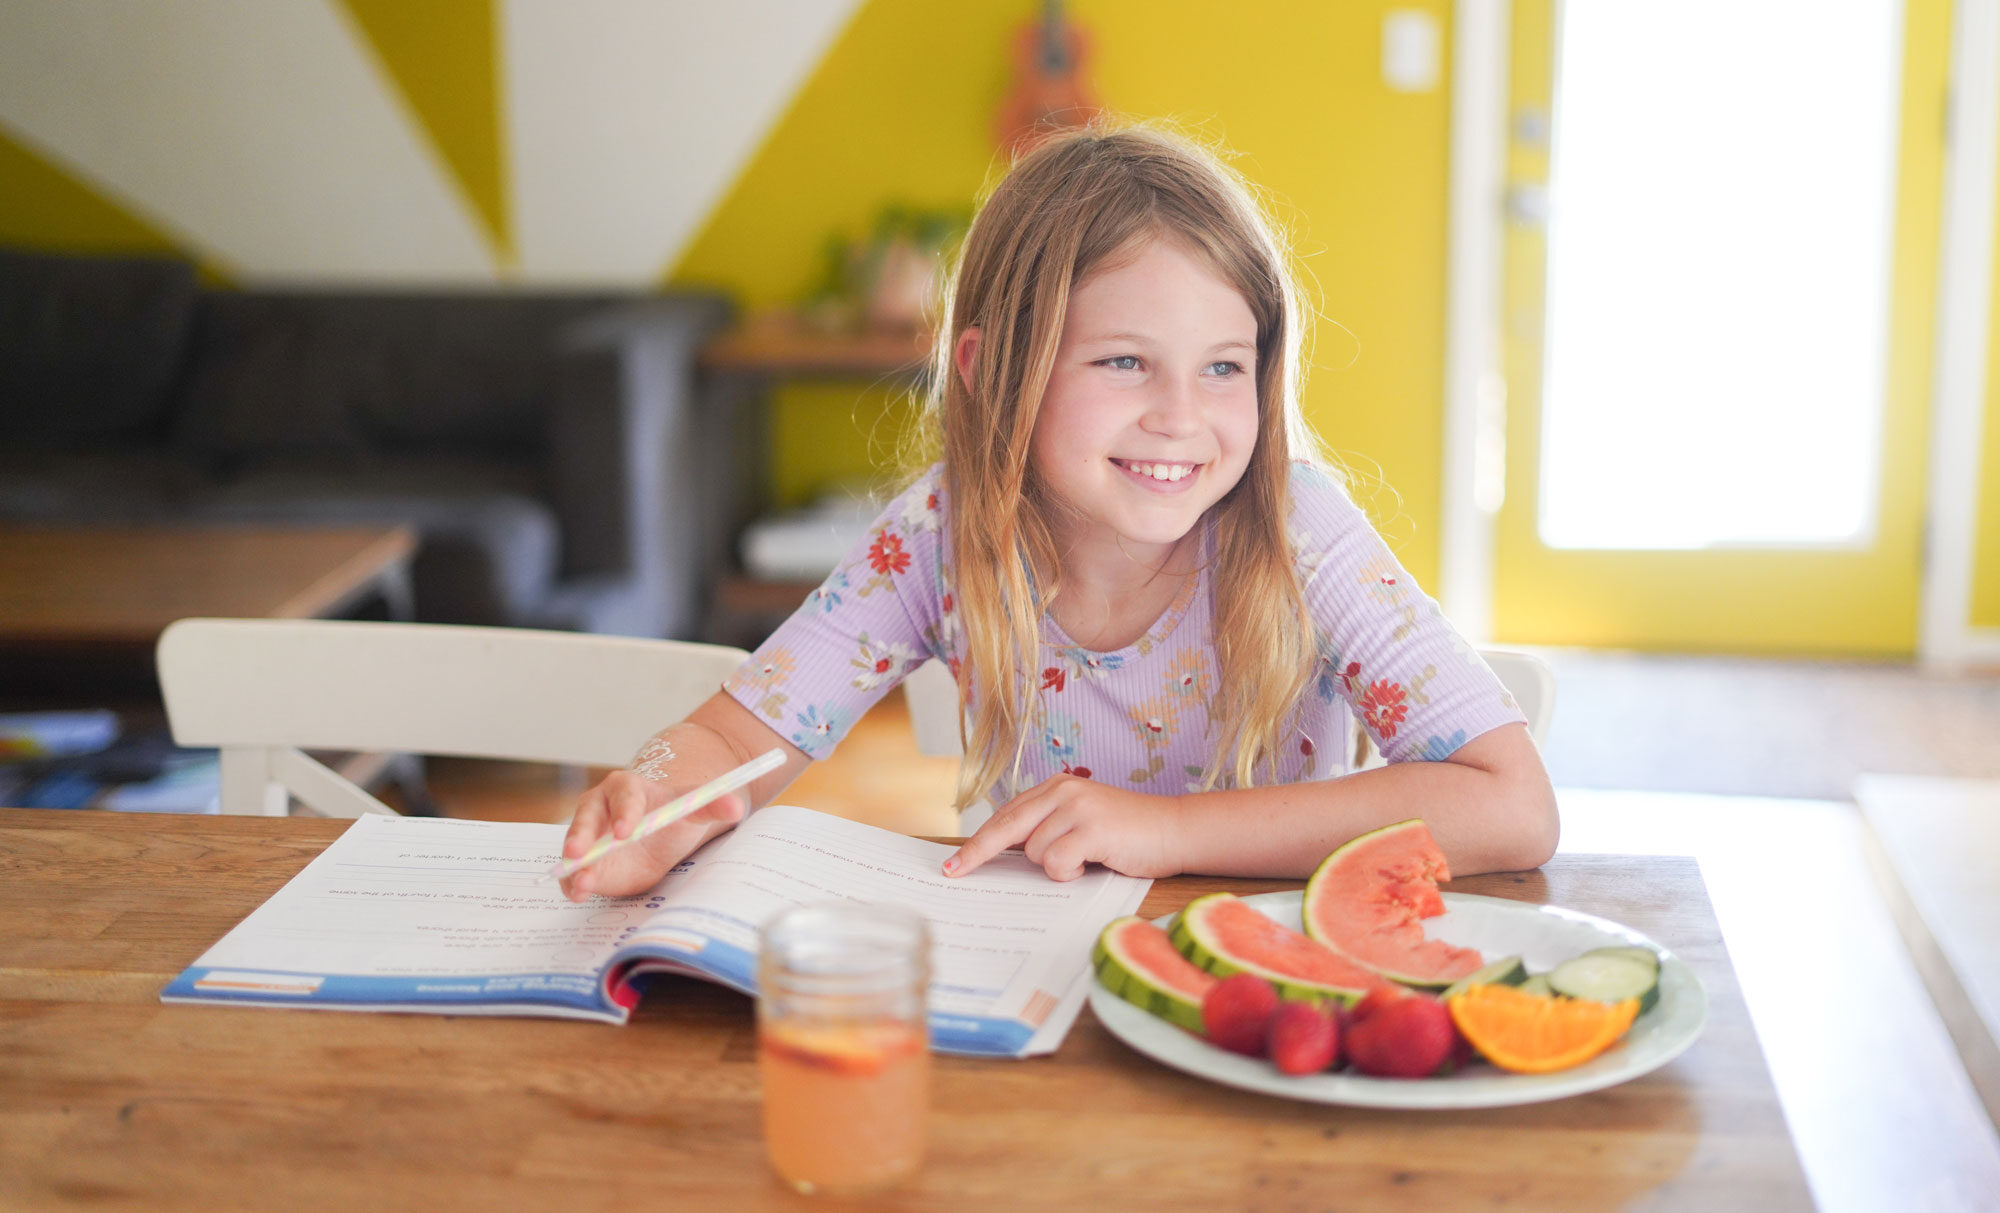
1049,90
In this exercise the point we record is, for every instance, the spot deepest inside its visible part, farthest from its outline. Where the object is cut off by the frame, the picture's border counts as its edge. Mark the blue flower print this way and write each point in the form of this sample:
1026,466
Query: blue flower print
827,596
1437,749
1062,737
817,733
1326,673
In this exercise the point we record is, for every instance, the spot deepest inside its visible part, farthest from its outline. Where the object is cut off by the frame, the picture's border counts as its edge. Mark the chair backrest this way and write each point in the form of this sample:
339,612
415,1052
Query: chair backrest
933,698
1531,682
263,690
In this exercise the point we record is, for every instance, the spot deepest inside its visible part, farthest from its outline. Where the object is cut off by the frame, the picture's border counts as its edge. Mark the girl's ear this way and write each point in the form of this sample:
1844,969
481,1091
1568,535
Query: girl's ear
963,354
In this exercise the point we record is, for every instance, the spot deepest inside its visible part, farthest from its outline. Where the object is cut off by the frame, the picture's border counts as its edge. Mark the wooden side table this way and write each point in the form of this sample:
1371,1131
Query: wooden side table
764,351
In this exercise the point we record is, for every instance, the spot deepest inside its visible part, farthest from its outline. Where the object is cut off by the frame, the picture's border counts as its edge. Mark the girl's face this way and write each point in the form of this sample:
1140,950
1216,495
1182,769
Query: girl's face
1151,411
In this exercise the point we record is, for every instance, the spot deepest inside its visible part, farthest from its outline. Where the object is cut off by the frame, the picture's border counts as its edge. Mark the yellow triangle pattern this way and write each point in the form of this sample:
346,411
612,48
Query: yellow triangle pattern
444,56
49,209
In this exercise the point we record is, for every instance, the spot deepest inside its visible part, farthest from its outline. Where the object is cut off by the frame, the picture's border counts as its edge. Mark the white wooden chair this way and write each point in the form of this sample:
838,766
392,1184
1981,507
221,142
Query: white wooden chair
933,700
262,691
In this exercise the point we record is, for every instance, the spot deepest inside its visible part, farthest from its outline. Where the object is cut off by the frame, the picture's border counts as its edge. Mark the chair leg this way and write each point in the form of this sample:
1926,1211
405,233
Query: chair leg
408,772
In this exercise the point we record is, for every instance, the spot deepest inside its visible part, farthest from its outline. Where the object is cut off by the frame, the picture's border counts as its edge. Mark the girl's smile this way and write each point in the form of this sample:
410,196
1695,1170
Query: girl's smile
1163,477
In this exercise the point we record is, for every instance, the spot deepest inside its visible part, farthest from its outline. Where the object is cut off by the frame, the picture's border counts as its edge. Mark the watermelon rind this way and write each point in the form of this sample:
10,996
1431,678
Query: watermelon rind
1119,973
1323,876
1507,971
1199,945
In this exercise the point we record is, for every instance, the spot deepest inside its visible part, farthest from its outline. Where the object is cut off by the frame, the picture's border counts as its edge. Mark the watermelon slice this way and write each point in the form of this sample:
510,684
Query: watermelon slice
1225,935
1138,962
1367,901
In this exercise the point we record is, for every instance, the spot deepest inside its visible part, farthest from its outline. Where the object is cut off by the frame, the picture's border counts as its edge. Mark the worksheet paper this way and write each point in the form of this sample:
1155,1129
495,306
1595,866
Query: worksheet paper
459,917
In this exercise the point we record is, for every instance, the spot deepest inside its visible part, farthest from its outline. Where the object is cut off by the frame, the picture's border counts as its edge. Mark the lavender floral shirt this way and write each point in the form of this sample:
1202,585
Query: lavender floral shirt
1137,717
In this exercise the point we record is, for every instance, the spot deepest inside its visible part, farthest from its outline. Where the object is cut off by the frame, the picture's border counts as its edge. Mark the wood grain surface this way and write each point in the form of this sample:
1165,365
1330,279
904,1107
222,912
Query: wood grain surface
124,585
110,1100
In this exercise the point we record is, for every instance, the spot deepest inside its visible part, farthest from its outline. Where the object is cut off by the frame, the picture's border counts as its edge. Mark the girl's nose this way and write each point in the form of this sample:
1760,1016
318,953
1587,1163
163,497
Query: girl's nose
1173,412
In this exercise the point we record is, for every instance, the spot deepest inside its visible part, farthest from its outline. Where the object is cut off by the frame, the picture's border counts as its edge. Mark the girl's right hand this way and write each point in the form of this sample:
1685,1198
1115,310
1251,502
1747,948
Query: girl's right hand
615,808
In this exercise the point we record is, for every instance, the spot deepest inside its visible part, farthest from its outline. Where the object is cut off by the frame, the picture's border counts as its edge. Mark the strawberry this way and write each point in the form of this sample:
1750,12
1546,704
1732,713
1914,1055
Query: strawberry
1302,1039
1406,1037
1462,1054
1373,1001
1236,1012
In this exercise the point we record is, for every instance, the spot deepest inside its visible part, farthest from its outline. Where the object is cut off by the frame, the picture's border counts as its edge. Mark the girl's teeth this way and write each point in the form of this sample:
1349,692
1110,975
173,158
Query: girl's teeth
1160,471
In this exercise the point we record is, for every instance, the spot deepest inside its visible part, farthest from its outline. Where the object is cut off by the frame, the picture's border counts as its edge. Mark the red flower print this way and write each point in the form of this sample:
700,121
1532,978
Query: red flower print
886,554
930,502
1306,746
947,604
1383,708
1079,772
882,665
953,665
1054,677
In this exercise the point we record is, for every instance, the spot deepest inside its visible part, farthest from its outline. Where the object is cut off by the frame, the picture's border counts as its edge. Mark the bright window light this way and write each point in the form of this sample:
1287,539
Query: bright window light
1722,181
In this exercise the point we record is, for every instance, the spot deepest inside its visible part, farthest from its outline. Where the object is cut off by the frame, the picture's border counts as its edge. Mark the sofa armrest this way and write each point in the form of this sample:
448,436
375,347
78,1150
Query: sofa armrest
587,480
633,463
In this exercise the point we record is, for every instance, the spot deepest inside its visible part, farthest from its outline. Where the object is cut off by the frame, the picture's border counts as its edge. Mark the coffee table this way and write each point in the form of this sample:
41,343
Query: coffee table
81,599
121,586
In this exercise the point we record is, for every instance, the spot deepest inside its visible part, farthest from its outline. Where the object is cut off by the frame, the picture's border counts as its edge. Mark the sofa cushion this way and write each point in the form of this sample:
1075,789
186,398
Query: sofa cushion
264,382
110,486
89,347
282,374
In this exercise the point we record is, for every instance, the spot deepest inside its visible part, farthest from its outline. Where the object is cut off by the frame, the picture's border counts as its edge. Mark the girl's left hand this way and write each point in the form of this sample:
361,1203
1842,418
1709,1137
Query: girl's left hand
1065,822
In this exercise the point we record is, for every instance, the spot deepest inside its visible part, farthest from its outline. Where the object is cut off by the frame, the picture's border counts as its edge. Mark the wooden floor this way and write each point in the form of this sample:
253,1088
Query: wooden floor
1882,1110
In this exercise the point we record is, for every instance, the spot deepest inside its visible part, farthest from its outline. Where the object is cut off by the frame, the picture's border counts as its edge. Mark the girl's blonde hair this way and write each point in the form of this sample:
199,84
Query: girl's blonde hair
1076,203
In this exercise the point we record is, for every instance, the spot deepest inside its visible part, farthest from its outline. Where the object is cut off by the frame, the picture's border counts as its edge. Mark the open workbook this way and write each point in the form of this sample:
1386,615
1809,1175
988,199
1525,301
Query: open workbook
458,917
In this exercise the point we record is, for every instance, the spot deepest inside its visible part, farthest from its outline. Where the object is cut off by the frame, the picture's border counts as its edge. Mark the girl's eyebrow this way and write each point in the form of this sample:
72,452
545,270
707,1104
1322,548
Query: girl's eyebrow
1142,339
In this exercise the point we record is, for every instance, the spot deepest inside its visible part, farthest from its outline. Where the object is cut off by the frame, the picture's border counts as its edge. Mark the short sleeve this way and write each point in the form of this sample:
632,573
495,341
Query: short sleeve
873,620
1386,648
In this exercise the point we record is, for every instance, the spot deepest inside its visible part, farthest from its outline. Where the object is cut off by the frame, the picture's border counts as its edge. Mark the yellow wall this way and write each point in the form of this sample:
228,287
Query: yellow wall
1986,560
902,110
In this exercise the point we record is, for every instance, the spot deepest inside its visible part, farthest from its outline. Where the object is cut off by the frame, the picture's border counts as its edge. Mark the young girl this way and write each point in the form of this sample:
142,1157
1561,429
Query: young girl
1158,608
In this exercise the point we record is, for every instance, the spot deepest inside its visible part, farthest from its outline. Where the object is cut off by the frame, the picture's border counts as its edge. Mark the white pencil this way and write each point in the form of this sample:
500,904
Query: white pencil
673,811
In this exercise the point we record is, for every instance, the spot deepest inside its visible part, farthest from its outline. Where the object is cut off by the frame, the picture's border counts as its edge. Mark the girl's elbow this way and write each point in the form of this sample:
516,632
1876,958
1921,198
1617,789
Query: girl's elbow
1537,827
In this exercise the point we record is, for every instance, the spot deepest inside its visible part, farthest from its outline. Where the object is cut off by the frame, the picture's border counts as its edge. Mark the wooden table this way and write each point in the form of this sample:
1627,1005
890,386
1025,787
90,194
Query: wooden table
110,1100
121,586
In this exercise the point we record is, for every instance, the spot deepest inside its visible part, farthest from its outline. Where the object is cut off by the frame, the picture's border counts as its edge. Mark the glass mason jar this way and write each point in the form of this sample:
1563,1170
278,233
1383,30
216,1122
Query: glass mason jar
843,1045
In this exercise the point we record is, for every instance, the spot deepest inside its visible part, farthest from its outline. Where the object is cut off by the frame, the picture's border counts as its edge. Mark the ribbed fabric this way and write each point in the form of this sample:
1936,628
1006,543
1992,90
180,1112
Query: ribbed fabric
1137,717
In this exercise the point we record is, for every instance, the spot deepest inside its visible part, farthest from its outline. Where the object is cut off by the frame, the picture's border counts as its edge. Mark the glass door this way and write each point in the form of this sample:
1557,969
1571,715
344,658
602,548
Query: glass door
1720,283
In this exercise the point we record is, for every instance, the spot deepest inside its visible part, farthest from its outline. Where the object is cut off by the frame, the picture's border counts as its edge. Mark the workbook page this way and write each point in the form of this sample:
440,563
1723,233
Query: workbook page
422,913
1009,945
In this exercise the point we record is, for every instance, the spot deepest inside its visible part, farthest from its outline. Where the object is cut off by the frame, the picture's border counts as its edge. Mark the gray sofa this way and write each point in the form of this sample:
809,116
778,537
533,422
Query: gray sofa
551,449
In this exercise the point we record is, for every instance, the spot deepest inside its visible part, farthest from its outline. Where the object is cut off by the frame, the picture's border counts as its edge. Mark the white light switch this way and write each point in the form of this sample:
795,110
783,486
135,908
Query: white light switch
1410,45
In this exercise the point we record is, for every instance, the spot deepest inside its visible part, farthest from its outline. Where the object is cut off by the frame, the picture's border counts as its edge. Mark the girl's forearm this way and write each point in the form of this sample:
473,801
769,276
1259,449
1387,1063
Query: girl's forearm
716,738
1490,807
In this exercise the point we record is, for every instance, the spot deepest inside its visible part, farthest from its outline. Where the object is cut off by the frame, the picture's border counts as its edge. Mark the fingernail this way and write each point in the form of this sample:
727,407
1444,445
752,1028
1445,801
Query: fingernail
951,865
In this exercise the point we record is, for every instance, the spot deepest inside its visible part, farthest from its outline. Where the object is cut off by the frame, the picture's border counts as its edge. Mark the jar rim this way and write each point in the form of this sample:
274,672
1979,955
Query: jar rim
845,944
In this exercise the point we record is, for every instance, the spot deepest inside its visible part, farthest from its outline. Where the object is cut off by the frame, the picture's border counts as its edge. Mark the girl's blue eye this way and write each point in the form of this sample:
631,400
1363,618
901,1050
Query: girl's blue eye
1121,362
1225,369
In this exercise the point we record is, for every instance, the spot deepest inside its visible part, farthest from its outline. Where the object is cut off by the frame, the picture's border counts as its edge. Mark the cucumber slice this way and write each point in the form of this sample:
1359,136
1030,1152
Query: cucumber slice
1604,978
1507,971
1538,985
1645,956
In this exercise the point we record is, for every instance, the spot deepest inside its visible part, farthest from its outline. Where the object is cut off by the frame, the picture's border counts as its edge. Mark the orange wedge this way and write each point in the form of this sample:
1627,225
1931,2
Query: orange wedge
1536,1034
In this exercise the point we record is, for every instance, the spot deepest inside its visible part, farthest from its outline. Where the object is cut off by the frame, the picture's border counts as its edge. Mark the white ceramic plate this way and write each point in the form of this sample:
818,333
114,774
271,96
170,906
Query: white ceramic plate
1543,936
